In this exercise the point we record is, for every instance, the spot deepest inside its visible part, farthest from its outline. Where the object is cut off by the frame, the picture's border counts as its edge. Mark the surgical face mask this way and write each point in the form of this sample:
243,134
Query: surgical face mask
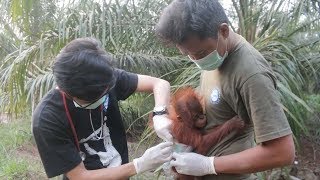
93,105
212,61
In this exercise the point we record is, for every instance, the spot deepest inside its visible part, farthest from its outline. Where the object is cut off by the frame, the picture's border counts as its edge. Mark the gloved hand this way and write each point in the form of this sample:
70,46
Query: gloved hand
154,157
177,147
162,126
193,164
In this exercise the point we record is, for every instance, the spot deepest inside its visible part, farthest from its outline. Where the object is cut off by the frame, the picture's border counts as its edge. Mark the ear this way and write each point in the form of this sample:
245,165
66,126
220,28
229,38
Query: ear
224,30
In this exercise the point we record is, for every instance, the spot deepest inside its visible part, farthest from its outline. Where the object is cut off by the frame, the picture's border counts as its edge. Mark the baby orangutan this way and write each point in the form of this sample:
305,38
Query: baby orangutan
189,120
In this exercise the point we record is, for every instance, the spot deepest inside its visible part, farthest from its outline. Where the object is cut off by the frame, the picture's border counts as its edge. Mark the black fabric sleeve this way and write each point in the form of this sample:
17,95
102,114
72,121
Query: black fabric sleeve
55,144
126,84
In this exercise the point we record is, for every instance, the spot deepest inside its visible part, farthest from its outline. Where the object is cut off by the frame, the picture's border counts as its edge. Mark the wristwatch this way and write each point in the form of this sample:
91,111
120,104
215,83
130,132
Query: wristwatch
159,110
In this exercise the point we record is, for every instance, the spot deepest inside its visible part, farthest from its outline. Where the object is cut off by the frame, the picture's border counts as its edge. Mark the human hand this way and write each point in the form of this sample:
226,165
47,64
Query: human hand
154,157
162,126
193,164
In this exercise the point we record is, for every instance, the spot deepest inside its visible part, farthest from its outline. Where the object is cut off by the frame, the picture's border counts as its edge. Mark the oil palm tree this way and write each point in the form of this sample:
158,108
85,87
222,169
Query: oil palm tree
33,32
124,29
287,34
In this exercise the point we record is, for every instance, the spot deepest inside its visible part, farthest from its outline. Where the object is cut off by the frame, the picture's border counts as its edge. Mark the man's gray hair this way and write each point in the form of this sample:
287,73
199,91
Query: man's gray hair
182,18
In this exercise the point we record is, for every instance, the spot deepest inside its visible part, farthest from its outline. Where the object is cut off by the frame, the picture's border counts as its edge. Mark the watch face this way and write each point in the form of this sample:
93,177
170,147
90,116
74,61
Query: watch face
159,109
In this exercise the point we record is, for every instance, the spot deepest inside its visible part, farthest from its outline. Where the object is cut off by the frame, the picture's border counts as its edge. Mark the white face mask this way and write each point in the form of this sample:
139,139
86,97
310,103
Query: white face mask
93,105
212,61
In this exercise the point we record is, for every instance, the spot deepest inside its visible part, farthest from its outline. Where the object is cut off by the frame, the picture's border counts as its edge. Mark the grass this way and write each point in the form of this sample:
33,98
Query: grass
20,160
17,160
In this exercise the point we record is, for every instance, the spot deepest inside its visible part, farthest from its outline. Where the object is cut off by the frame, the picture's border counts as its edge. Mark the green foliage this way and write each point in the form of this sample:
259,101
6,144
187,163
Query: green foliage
313,100
135,114
286,33
15,136
14,169
275,174
33,32
25,71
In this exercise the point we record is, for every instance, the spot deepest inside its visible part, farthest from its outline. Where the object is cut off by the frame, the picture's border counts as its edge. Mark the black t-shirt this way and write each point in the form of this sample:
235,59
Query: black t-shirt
55,140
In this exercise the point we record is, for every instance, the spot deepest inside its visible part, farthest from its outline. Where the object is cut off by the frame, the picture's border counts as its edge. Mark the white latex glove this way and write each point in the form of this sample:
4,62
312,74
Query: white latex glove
162,126
154,157
167,168
193,164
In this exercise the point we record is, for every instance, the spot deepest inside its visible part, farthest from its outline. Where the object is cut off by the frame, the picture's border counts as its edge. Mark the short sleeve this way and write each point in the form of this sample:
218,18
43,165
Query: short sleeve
126,84
57,150
264,108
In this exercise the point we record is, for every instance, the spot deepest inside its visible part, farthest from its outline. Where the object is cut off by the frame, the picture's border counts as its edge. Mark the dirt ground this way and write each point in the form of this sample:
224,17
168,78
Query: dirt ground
30,153
308,156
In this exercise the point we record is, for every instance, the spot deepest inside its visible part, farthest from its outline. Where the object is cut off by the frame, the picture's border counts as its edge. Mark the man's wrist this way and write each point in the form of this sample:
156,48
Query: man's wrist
159,110
212,169
132,169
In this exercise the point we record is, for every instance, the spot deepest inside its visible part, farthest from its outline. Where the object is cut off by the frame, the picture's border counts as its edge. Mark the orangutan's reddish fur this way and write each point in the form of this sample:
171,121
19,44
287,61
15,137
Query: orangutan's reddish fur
184,104
181,102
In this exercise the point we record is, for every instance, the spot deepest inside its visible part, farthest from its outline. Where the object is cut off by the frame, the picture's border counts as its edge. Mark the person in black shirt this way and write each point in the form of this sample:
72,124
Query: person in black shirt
78,127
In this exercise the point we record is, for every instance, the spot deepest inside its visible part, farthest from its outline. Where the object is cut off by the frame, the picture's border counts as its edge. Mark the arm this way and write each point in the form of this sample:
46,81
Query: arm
161,91
274,153
128,83
159,87
216,134
271,154
272,131
121,172
151,159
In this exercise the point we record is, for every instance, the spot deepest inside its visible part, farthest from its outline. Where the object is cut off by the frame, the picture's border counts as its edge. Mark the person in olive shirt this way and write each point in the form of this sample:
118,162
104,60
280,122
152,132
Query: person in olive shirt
78,127
236,80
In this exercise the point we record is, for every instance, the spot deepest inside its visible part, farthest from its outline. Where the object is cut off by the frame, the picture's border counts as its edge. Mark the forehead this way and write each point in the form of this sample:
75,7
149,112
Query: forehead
194,44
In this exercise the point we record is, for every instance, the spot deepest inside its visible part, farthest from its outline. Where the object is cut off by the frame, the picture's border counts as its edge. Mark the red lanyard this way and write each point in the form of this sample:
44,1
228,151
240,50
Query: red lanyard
70,121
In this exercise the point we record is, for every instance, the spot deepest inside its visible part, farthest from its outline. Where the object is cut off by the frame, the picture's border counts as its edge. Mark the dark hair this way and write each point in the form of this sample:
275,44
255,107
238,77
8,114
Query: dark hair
182,18
83,69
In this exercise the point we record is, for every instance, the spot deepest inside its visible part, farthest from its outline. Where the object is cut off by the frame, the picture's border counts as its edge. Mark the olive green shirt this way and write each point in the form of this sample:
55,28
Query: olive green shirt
243,85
